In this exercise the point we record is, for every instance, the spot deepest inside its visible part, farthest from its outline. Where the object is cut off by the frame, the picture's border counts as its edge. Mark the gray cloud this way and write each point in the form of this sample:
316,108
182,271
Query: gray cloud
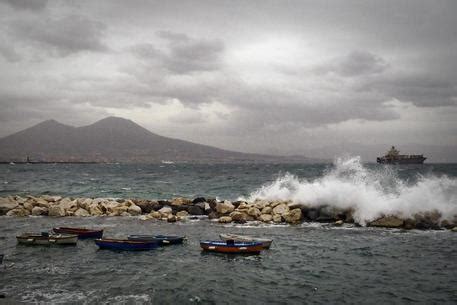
32,5
183,54
64,35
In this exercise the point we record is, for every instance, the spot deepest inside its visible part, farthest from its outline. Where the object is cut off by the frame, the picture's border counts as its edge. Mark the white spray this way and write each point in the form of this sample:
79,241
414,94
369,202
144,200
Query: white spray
370,193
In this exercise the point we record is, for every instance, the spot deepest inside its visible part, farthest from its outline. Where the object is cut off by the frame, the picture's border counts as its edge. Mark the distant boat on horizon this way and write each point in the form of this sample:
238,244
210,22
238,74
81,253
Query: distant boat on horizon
167,162
393,157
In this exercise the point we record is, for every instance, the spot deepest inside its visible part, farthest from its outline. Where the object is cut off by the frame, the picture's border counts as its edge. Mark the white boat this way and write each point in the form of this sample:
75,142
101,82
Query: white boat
47,239
266,243
167,162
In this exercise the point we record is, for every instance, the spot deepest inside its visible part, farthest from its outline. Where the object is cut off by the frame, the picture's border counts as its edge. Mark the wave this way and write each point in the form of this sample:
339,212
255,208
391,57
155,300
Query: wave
370,193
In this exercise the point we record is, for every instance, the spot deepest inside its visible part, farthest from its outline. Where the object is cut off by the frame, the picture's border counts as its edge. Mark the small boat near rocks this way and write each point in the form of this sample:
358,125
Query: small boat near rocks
266,243
161,239
231,246
125,244
81,232
47,239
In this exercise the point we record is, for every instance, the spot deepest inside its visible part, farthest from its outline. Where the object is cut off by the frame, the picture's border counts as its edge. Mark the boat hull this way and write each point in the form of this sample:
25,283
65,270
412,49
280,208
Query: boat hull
266,243
163,240
126,245
234,248
81,232
59,239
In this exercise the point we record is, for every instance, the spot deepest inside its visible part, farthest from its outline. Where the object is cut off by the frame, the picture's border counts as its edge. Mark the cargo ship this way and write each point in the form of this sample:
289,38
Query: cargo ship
393,157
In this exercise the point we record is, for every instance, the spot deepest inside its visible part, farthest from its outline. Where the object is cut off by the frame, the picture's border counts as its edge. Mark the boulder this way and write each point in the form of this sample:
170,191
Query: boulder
165,210
51,198
312,214
387,222
181,201
266,217
454,229
134,210
19,212
37,211
277,218
81,213
182,214
260,204
339,223
237,203
198,200
6,204
267,210
428,220
294,216
329,214
195,210
21,200
212,215
238,217
224,207
254,212
125,214
84,203
147,206
409,224
69,205
225,219
281,209
29,205
56,211
44,203
95,210
171,218
275,203
156,215
242,205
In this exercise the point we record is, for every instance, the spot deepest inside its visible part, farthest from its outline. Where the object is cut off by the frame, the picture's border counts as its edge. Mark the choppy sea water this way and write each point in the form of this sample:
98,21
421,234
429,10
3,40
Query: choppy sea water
308,263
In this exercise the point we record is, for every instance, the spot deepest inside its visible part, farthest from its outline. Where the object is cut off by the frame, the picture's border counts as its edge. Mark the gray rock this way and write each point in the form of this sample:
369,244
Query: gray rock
195,210
6,204
38,211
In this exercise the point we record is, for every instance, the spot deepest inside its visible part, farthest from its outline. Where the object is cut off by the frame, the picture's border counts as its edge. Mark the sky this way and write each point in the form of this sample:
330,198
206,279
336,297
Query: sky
276,77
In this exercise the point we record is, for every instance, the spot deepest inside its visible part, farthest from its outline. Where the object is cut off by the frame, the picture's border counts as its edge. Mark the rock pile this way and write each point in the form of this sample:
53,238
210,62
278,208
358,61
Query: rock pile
224,211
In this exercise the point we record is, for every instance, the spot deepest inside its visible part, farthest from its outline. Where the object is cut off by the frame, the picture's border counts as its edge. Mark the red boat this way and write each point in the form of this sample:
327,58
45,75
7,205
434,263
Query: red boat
81,232
231,246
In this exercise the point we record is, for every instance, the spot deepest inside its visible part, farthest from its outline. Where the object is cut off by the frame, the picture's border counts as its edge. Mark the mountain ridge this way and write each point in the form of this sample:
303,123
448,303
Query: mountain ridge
114,139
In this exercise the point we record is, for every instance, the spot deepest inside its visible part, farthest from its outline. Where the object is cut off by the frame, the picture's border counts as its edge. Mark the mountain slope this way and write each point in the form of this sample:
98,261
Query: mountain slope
111,140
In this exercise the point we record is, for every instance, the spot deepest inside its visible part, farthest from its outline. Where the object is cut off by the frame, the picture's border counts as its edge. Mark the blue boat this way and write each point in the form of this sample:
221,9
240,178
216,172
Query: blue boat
161,239
123,244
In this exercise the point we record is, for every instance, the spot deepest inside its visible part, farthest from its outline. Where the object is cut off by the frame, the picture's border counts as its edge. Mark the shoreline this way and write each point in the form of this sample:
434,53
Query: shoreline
240,212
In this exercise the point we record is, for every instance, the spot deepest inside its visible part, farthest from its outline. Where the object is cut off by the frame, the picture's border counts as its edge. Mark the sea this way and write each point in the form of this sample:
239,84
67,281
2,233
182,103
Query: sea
309,263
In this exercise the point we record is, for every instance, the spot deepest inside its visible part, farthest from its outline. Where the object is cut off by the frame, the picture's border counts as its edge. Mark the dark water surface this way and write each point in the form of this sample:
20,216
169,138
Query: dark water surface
164,181
308,263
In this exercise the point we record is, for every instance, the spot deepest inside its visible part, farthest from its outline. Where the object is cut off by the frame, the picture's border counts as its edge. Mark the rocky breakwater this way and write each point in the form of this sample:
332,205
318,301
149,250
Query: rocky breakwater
178,209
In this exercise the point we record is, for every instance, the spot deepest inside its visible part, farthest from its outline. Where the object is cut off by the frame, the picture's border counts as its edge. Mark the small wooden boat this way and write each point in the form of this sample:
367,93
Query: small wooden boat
161,239
125,244
231,246
47,239
266,243
81,232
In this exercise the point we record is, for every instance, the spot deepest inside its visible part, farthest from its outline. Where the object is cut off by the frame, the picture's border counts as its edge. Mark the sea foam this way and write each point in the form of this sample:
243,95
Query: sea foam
371,193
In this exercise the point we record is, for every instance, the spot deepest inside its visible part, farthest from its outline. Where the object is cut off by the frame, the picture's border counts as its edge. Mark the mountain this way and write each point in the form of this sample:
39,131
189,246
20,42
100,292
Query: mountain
113,139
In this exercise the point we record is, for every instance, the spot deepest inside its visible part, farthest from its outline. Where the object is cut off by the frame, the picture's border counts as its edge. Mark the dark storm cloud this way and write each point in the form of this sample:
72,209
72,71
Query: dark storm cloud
361,63
62,35
26,4
183,54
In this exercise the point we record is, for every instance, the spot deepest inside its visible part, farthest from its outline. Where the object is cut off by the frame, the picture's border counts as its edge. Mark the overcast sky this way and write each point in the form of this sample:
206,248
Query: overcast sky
256,76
